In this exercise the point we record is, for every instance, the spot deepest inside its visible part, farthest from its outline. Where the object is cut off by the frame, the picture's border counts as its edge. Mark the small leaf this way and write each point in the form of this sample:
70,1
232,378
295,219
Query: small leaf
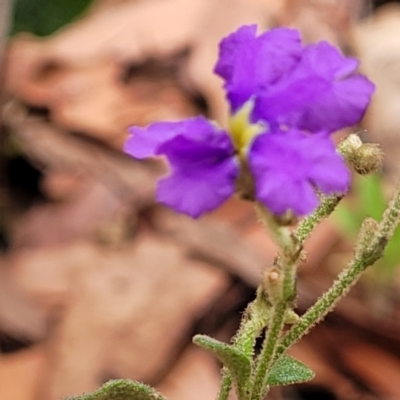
122,389
287,371
238,364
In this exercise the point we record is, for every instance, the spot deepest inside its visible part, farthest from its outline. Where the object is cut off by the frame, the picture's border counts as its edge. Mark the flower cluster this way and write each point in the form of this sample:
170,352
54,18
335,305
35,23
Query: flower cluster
286,99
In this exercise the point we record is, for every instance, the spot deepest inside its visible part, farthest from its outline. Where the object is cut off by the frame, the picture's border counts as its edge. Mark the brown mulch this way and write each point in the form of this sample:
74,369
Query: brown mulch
97,280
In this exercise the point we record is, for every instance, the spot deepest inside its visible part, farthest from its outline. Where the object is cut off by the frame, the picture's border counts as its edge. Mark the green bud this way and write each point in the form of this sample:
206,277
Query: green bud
367,231
291,317
273,284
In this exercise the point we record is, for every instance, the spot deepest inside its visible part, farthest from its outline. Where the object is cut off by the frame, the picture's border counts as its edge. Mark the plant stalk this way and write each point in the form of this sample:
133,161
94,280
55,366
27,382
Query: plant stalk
370,252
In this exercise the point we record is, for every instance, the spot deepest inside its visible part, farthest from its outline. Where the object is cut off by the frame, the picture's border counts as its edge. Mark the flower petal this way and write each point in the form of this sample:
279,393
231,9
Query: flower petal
249,64
144,142
327,170
230,48
203,173
289,166
279,193
322,93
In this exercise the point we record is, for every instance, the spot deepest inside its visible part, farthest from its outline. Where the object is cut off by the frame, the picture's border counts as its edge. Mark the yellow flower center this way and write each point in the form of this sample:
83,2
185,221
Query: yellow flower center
242,131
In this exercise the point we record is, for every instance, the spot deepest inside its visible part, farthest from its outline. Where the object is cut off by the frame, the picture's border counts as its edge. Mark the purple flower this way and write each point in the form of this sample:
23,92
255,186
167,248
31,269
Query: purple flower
286,99
312,88
202,159
286,167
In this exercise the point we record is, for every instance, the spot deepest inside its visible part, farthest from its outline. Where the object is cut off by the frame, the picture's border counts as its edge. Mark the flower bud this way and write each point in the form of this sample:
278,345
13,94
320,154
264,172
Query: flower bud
365,235
273,284
291,317
365,158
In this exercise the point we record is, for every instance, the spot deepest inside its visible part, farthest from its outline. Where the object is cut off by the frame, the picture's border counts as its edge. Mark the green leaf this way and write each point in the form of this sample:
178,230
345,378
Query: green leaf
287,371
238,364
43,17
122,389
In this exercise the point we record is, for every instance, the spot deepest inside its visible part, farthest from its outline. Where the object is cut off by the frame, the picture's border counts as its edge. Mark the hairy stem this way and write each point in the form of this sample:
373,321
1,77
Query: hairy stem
323,306
254,320
267,355
226,385
308,224
368,253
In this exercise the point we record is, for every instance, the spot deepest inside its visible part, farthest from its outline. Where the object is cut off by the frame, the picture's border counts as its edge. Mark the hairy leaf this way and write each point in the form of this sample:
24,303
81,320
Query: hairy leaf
288,370
238,364
122,389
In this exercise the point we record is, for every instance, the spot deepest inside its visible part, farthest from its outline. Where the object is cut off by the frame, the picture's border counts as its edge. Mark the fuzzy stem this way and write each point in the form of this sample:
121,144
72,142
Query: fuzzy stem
323,306
370,252
254,320
308,224
267,355
226,385
279,285
280,234
391,216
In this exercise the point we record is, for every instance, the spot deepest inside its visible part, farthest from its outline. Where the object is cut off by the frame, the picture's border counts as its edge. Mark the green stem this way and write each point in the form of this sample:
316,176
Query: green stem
267,354
226,385
281,234
308,224
281,294
254,320
323,306
391,216
369,253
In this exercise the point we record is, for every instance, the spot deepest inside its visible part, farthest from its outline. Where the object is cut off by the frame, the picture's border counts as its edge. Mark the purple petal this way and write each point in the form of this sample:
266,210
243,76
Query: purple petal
289,166
230,47
203,173
322,93
144,142
279,193
248,64
327,169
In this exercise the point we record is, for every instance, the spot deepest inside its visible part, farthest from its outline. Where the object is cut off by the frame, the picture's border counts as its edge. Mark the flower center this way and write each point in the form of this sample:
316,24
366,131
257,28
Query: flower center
242,130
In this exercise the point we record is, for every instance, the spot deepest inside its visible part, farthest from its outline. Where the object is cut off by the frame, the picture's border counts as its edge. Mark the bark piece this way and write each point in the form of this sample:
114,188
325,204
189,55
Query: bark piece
127,313
382,374
19,374
215,243
132,180
78,73
377,42
195,375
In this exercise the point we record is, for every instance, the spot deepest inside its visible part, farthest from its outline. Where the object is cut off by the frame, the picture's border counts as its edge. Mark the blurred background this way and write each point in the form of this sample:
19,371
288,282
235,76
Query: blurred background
97,281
